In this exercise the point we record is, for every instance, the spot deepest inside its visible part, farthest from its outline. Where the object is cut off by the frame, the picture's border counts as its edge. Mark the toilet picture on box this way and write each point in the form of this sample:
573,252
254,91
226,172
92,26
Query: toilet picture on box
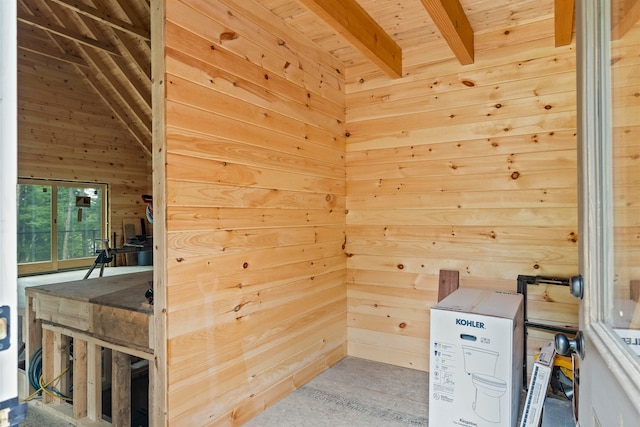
480,365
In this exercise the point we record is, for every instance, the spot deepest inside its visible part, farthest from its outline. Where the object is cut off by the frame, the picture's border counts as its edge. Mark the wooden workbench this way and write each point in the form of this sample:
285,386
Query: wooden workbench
105,315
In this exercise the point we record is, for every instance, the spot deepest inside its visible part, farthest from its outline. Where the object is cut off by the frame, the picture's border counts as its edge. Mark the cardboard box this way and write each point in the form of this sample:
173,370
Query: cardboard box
476,359
540,378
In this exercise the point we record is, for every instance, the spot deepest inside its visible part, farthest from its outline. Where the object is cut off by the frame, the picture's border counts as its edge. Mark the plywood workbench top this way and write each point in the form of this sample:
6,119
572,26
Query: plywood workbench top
112,309
124,291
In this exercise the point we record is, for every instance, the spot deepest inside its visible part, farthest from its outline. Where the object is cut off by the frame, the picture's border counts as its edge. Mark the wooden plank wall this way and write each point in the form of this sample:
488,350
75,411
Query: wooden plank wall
65,132
468,168
255,201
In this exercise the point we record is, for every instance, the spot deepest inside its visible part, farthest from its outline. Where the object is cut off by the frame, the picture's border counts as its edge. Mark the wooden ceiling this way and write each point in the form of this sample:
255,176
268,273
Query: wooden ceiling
108,44
108,41
442,28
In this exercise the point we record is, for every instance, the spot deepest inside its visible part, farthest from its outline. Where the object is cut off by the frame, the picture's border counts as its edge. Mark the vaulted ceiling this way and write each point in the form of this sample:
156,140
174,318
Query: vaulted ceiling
108,44
108,41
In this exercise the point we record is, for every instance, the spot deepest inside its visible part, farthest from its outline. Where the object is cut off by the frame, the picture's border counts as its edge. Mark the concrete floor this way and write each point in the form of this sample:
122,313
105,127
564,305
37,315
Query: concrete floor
362,393
39,417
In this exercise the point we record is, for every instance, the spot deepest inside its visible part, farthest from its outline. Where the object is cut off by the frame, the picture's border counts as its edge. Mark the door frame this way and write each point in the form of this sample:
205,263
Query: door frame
9,405
604,347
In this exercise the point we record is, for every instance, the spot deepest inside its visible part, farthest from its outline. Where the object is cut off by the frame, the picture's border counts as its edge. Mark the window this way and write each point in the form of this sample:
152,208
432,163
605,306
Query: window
60,224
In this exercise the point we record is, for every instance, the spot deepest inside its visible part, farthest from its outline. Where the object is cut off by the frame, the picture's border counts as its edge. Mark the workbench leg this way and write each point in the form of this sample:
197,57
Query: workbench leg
79,378
150,394
121,390
94,382
33,339
60,364
47,363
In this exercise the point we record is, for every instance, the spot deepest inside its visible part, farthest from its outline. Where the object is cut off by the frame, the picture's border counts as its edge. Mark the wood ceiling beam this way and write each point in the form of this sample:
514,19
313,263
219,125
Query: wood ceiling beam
351,21
39,48
140,59
563,21
105,94
136,53
129,114
624,18
133,86
124,92
66,33
105,18
449,17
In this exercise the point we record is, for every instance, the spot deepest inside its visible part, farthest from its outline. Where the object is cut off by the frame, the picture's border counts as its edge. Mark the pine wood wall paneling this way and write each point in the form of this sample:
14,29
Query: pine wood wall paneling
185,92
227,242
443,95
459,168
184,218
502,47
239,285
66,134
305,331
204,122
191,44
469,147
229,150
249,301
526,127
255,199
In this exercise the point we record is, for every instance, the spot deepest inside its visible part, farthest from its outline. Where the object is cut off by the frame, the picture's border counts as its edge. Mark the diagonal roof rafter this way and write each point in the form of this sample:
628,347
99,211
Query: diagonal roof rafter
105,18
124,87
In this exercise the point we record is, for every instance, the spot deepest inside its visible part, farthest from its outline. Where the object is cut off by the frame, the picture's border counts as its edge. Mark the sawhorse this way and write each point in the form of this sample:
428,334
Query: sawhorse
105,256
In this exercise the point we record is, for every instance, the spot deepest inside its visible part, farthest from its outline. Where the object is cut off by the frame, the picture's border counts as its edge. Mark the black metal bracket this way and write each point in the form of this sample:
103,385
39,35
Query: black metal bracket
523,282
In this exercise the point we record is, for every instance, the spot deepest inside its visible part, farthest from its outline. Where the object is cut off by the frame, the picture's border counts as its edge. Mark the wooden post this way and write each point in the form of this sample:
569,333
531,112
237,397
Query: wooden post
79,378
121,390
150,391
33,340
47,362
60,363
94,382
